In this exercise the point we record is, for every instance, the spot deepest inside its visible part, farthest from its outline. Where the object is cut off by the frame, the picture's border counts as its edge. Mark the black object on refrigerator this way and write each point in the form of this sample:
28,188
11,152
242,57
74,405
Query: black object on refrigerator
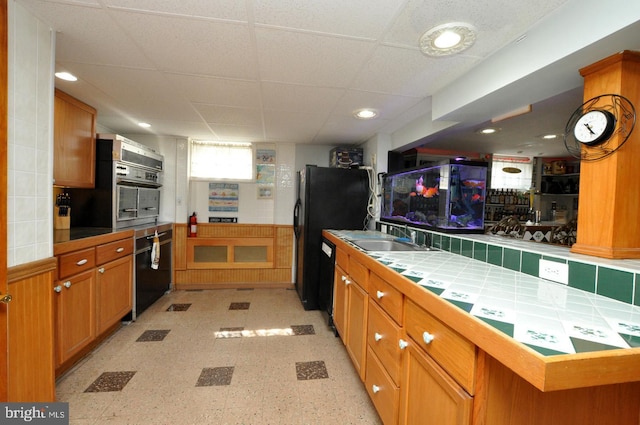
328,198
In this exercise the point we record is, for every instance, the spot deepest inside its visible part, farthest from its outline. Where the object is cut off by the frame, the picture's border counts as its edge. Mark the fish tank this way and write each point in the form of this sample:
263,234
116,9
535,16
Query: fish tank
449,197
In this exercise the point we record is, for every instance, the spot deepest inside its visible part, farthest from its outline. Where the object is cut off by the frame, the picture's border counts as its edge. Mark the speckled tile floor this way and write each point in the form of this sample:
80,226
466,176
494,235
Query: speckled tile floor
219,357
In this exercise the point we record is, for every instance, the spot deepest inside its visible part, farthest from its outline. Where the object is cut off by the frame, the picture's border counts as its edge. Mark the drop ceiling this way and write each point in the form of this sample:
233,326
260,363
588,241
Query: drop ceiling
293,71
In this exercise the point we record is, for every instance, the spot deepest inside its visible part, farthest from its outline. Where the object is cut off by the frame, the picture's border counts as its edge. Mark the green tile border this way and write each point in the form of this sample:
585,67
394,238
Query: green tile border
494,255
616,284
480,251
466,248
598,279
530,263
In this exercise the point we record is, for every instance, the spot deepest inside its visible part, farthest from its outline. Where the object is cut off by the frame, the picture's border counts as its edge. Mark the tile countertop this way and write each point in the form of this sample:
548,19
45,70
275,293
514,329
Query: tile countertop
548,317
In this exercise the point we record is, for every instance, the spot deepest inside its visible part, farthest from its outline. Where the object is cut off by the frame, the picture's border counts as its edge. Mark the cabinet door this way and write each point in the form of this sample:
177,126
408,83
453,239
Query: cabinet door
340,302
114,292
74,142
75,315
429,396
357,312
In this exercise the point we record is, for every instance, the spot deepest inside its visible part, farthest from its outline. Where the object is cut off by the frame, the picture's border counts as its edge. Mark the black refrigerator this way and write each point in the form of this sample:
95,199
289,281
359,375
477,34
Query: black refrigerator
328,198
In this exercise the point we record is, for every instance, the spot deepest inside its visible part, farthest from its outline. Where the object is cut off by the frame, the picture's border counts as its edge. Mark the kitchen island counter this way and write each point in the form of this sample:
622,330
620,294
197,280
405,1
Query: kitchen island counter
553,336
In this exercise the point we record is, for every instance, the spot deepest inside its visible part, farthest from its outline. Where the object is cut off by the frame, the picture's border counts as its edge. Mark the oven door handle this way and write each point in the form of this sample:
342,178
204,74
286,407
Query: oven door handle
130,210
159,235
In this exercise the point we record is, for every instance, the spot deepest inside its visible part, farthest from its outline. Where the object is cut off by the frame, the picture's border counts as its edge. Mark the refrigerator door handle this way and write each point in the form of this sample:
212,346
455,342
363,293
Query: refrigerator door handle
296,218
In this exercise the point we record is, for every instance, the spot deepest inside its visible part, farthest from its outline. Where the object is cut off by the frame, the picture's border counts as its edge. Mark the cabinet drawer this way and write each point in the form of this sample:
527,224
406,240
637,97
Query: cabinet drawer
113,250
382,391
342,259
76,262
359,273
383,336
451,350
388,297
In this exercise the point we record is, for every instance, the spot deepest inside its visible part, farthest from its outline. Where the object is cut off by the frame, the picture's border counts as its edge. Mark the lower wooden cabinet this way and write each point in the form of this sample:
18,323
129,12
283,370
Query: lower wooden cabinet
114,294
429,396
382,390
350,317
75,314
94,291
340,302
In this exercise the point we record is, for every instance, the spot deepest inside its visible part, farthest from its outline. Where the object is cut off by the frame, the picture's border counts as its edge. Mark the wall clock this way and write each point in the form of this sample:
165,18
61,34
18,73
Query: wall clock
589,133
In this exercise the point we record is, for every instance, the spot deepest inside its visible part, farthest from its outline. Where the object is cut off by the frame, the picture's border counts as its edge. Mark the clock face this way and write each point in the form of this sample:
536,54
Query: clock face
594,126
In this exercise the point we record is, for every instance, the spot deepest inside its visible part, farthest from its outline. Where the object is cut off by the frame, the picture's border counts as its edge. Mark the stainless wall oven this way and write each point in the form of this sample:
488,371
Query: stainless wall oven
127,192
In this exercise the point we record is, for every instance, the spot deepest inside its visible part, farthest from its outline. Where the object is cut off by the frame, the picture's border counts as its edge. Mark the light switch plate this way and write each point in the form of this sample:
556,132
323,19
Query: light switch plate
552,270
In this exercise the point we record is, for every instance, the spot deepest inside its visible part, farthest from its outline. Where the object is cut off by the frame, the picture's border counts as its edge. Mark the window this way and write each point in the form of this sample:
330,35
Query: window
504,173
221,160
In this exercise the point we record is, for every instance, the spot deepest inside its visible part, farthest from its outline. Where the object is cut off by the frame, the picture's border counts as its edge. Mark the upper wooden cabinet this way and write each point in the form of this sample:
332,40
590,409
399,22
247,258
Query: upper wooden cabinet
74,142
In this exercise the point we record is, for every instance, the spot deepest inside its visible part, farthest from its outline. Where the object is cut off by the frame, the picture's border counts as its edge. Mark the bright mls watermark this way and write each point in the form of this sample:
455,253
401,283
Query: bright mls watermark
34,413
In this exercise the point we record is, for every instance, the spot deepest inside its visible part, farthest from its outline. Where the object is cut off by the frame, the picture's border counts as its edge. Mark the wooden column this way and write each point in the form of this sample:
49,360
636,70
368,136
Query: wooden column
609,207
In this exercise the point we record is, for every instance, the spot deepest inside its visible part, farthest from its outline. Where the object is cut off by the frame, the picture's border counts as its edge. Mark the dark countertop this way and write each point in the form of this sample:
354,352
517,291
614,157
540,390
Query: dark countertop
77,233
68,235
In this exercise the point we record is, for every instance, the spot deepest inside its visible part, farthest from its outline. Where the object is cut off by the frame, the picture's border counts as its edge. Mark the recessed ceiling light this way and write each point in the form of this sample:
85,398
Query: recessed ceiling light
365,114
549,136
447,39
488,130
66,76
144,124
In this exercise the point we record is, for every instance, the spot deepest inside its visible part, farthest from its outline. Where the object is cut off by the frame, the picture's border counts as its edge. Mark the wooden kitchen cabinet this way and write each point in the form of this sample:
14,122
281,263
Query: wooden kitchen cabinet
456,370
74,140
114,283
429,396
94,291
351,308
114,292
75,314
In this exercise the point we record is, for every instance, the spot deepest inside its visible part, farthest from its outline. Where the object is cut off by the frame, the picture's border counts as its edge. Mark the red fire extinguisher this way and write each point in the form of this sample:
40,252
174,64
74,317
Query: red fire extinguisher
193,225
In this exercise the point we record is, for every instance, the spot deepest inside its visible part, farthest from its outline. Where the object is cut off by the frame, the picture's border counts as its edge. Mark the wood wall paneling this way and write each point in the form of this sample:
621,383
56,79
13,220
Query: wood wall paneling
274,272
31,374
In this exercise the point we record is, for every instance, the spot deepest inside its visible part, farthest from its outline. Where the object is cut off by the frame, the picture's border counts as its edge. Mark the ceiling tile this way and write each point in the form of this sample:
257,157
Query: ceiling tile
218,9
388,106
192,46
216,114
408,72
216,91
309,59
298,98
329,16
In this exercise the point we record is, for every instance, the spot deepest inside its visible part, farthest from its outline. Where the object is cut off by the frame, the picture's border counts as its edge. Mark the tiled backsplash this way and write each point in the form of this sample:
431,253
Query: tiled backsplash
616,279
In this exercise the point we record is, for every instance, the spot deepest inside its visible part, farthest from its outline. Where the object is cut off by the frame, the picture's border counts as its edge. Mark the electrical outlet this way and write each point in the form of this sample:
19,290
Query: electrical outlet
552,270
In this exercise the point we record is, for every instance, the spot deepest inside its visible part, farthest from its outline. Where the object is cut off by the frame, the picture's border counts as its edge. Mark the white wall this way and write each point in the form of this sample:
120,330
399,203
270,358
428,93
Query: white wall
30,138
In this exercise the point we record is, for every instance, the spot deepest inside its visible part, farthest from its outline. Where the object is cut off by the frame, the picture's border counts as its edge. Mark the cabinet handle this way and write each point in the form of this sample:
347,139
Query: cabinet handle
81,262
379,294
427,337
375,388
120,249
67,284
101,270
57,288
345,280
5,299
377,336
403,344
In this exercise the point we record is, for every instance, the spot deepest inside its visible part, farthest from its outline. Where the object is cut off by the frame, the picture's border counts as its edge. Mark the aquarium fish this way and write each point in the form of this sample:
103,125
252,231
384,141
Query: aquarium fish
430,192
476,198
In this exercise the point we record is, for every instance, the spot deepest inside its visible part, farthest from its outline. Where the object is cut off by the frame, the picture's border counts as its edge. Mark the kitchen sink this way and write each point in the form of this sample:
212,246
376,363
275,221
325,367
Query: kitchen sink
388,245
